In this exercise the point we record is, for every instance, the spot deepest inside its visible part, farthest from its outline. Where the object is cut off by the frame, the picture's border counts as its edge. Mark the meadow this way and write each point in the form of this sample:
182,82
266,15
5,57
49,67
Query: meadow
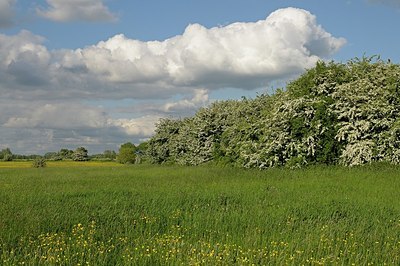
110,214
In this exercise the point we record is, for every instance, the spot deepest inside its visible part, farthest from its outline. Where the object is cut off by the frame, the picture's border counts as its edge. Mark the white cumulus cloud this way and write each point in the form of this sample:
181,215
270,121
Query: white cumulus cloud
76,10
199,99
23,60
140,127
240,55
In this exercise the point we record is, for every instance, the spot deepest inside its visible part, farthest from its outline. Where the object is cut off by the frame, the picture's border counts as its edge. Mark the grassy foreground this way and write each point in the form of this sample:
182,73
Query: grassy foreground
153,215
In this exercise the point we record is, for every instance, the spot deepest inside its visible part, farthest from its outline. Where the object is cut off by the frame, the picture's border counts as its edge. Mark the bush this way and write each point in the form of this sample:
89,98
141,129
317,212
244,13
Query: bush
80,155
335,113
7,158
127,153
39,162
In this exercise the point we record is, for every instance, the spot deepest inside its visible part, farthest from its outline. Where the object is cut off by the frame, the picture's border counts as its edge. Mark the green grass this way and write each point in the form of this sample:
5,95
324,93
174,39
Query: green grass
58,164
153,215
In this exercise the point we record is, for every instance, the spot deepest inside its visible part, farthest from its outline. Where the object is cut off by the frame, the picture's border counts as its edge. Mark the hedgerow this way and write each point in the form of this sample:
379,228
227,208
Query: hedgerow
335,113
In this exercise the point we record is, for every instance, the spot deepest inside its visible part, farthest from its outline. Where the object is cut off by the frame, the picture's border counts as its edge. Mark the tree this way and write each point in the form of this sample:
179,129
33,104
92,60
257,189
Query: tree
39,162
51,156
127,153
141,152
65,154
164,145
80,154
6,155
142,147
109,154
335,113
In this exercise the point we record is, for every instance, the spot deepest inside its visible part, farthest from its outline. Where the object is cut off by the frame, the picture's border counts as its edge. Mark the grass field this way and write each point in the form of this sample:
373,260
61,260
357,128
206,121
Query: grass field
170,215
58,164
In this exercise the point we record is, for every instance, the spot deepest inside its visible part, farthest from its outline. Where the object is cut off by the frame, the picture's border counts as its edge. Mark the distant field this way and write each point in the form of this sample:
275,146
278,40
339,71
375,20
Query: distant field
28,164
169,215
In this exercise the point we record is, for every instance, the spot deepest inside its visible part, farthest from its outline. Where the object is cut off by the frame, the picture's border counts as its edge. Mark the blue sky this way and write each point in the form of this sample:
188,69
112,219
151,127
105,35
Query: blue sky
99,73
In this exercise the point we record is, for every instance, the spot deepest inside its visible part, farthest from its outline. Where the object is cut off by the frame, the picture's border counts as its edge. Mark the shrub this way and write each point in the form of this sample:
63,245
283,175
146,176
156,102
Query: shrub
39,162
6,155
127,153
80,154
7,158
335,113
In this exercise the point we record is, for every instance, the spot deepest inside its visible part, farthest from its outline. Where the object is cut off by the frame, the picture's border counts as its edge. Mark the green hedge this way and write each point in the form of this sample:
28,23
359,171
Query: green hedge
335,113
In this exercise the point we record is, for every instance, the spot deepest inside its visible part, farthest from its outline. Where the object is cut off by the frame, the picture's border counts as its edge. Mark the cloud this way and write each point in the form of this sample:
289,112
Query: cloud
77,10
38,127
73,116
70,115
199,99
6,13
140,127
182,106
24,64
40,141
240,55
59,116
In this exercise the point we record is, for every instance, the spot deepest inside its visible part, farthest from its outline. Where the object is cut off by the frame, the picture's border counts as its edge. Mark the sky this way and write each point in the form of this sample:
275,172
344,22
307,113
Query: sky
99,73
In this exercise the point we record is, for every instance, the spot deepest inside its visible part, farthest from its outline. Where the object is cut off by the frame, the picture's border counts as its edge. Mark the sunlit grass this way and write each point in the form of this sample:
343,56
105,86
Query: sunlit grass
58,164
16,164
152,215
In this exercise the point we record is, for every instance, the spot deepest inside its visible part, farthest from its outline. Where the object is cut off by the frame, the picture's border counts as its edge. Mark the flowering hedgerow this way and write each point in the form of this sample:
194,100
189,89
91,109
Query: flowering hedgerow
335,113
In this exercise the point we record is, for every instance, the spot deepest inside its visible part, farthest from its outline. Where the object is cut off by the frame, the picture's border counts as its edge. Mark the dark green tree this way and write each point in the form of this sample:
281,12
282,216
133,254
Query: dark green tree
65,153
51,155
142,147
127,153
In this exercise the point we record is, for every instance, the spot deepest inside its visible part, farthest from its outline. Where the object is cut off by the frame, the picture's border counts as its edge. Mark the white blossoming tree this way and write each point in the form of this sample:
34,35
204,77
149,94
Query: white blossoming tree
368,109
334,113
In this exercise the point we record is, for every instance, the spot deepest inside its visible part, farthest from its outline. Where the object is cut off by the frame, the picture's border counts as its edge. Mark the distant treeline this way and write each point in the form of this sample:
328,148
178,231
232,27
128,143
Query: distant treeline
128,153
79,154
335,113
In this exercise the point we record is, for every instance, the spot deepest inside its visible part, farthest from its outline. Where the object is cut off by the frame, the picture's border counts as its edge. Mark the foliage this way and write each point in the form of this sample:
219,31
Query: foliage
65,153
39,162
109,154
141,153
80,154
126,154
165,146
6,155
334,113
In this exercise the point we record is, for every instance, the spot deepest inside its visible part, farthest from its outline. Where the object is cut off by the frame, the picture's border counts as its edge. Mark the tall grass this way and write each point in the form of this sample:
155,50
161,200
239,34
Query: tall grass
152,215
